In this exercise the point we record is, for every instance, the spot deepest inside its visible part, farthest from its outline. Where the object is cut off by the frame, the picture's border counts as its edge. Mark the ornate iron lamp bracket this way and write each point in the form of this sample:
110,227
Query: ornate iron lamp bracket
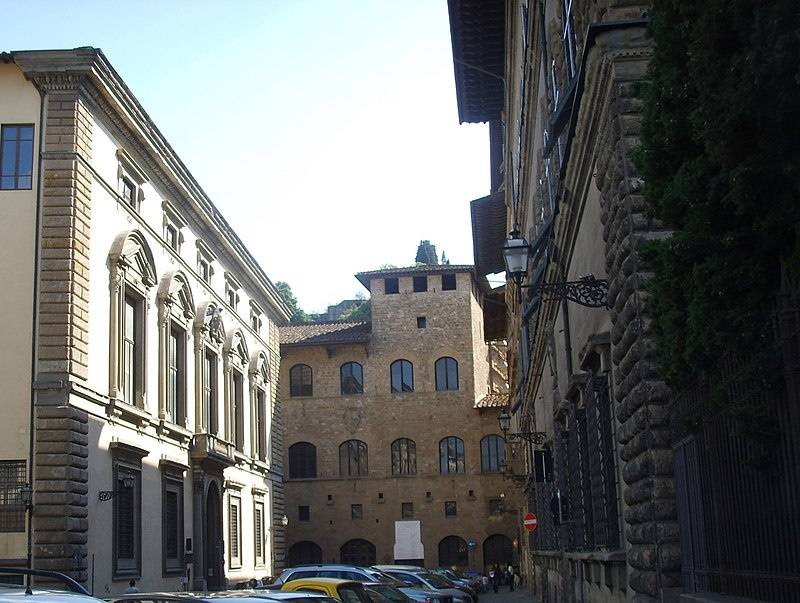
586,291
105,495
537,438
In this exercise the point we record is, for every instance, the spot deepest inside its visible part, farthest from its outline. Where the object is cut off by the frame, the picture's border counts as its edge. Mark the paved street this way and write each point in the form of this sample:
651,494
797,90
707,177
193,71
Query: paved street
518,596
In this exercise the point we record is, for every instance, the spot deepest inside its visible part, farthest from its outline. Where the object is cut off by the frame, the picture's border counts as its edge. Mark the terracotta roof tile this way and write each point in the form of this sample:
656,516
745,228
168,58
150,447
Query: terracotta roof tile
493,401
324,333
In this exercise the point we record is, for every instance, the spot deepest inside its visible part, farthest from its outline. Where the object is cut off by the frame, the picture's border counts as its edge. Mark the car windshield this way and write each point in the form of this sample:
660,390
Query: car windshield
391,593
354,594
435,581
380,576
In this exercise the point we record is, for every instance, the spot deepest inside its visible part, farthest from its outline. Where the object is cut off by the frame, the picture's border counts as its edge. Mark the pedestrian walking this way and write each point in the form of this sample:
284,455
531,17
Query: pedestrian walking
510,578
495,575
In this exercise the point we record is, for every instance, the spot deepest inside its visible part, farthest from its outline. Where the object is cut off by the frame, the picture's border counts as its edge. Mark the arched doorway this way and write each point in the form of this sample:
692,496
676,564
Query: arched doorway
304,552
213,539
357,552
453,552
498,549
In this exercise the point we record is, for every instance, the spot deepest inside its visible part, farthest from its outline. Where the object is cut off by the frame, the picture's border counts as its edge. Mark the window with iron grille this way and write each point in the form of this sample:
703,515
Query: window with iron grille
448,282
300,381
302,460
451,455
303,513
407,510
353,458
356,511
258,532
235,531
172,524
13,477
404,457
450,508
16,157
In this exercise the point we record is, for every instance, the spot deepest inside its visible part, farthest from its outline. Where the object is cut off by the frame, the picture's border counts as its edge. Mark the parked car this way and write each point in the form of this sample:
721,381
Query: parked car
20,584
241,596
360,574
421,578
347,591
459,581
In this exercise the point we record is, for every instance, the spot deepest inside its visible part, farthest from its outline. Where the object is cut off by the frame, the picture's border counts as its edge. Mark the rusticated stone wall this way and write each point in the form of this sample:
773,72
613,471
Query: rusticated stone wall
641,396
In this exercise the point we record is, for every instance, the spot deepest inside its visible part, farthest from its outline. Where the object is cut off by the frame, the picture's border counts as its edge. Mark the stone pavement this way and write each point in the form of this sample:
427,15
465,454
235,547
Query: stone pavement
520,595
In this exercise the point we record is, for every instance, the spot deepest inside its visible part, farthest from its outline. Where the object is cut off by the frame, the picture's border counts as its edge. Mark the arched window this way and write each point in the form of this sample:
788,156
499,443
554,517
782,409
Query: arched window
446,374
493,454
302,460
304,552
402,376
451,455
353,458
352,378
132,274
300,381
404,457
357,552
453,552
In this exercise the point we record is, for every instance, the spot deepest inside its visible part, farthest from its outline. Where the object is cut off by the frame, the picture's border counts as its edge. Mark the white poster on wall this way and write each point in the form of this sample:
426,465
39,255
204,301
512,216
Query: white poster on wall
408,540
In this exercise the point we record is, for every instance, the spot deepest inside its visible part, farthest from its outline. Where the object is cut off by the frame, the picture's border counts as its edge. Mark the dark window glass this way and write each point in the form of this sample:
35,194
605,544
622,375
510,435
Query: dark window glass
451,455
353,458
356,511
210,390
402,376
391,285
404,457
300,381
543,465
422,322
352,378
132,349
13,477
495,506
304,513
450,509
302,460
173,239
420,284
176,375
446,374
407,510
205,271
172,525
493,454
261,424
238,411
448,282
16,157
129,192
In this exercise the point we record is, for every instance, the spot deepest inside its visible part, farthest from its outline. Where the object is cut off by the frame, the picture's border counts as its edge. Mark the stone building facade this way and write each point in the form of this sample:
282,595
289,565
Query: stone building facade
392,440
557,80
140,399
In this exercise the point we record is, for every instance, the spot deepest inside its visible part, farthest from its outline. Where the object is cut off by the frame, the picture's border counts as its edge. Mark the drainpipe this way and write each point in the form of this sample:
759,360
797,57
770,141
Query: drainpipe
35,326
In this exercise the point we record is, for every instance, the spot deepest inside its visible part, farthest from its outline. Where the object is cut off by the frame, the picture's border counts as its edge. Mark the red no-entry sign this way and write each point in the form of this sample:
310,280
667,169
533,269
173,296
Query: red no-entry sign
530,522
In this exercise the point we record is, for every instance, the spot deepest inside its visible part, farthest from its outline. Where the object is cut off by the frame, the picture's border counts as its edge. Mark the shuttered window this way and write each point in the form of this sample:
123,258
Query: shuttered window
127,520
235,531
172,522
258,529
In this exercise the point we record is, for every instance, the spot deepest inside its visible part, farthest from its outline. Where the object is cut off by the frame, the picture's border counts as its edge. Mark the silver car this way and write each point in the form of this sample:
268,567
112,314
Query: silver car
420,578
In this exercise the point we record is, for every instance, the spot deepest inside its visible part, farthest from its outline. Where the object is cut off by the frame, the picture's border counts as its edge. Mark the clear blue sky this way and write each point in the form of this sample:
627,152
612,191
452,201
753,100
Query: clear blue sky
325,131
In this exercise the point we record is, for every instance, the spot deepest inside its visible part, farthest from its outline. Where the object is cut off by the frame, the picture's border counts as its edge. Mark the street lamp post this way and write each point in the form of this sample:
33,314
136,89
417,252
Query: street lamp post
537,438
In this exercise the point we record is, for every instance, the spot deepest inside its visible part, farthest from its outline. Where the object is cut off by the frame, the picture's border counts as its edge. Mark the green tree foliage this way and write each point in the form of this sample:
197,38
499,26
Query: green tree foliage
359,313
285,291
720,157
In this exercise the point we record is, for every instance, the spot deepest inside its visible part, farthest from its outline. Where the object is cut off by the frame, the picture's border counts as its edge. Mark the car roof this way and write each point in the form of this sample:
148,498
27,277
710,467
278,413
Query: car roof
42,595
404,568
315,580
281,594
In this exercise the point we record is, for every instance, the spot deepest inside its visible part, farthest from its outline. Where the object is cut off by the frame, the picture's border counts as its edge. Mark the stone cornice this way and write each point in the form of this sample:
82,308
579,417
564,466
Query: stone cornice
88,71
